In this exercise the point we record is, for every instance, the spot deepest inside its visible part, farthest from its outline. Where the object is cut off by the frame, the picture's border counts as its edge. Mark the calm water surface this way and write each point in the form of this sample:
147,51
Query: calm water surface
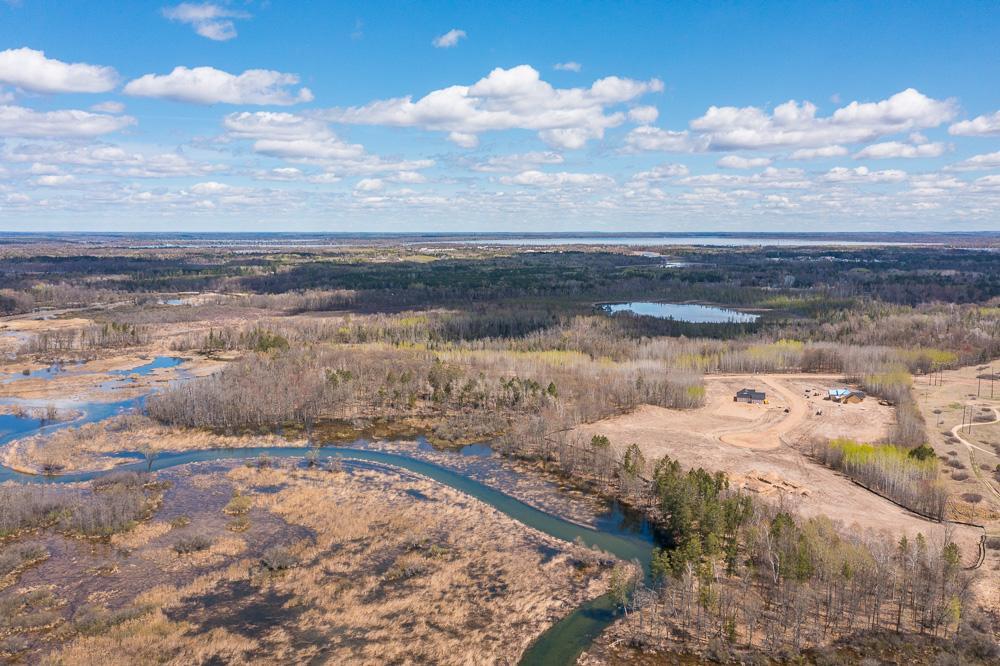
714,241
698,314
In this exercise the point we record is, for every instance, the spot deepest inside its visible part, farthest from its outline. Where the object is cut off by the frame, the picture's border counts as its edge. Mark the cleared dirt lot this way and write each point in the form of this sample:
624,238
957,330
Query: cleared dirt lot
795,412
759,446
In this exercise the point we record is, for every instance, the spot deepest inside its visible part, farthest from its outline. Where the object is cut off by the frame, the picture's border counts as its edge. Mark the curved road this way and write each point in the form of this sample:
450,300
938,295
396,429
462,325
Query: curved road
972,447
770,437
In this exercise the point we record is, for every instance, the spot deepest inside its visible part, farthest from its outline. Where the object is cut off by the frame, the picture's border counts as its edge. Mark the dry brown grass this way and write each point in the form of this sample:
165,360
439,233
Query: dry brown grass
84,448
399,570
140,535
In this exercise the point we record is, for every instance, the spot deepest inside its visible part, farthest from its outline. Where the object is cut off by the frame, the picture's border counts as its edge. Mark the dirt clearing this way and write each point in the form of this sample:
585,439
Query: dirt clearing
757,444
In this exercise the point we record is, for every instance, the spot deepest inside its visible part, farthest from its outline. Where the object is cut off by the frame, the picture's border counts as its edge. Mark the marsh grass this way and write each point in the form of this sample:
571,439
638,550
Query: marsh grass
449,581
16,557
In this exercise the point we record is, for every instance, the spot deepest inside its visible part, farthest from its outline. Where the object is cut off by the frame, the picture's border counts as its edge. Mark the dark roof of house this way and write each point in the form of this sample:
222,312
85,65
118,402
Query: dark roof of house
750,393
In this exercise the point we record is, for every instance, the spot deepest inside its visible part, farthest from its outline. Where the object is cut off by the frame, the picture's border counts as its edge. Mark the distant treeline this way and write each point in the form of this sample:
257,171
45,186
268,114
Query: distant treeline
802,280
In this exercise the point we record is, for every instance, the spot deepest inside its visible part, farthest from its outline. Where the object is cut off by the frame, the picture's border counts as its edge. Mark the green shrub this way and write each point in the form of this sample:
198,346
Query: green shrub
238,506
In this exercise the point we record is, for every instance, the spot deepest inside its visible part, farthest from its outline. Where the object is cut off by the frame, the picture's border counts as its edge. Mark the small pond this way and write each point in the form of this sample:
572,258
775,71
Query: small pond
689,312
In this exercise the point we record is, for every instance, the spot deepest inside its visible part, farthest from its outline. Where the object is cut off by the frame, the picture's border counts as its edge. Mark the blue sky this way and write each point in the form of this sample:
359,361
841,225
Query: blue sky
499,116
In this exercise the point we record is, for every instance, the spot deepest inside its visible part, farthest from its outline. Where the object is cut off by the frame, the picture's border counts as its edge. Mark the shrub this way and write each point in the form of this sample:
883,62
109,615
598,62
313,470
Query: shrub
27,507
93,620
28,610
119,480
18,555
113,510
192,544
239,524
239,505
922,452
278,558
401,572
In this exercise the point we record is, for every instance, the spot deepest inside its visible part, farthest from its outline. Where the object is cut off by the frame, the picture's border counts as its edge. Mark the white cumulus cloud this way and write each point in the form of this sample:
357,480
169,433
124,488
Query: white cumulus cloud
740,162
298,138
661,140
898,149
514,98
796,125
984,125
21,121
207,85
208,19
863,175
108,107
643,180
104,158
818,153
54,180
449,39
518,161
535,178
30,70
369,185
978,162
643,115
770,178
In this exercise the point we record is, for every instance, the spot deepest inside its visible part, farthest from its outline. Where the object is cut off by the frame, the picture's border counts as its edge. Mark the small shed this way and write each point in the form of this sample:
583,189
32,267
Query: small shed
750,395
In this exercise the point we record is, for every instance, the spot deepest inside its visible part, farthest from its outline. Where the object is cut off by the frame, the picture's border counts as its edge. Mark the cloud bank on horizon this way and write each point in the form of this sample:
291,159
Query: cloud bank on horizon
436,130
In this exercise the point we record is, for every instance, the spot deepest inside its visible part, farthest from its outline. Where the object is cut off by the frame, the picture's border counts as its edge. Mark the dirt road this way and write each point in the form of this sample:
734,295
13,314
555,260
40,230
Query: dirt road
795,411
972,447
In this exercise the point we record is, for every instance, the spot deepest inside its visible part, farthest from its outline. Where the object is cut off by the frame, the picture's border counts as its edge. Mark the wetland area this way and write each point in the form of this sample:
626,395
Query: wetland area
368,453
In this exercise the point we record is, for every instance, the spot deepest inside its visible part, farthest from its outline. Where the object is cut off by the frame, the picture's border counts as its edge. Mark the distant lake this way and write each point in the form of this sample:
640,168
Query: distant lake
696,314
722,241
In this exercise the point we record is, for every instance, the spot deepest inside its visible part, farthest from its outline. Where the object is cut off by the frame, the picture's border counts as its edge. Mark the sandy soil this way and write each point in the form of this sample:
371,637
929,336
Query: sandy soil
386,567
761,447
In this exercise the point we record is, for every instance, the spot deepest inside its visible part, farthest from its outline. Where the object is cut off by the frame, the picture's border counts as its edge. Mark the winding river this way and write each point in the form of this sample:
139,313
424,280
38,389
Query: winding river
625,535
